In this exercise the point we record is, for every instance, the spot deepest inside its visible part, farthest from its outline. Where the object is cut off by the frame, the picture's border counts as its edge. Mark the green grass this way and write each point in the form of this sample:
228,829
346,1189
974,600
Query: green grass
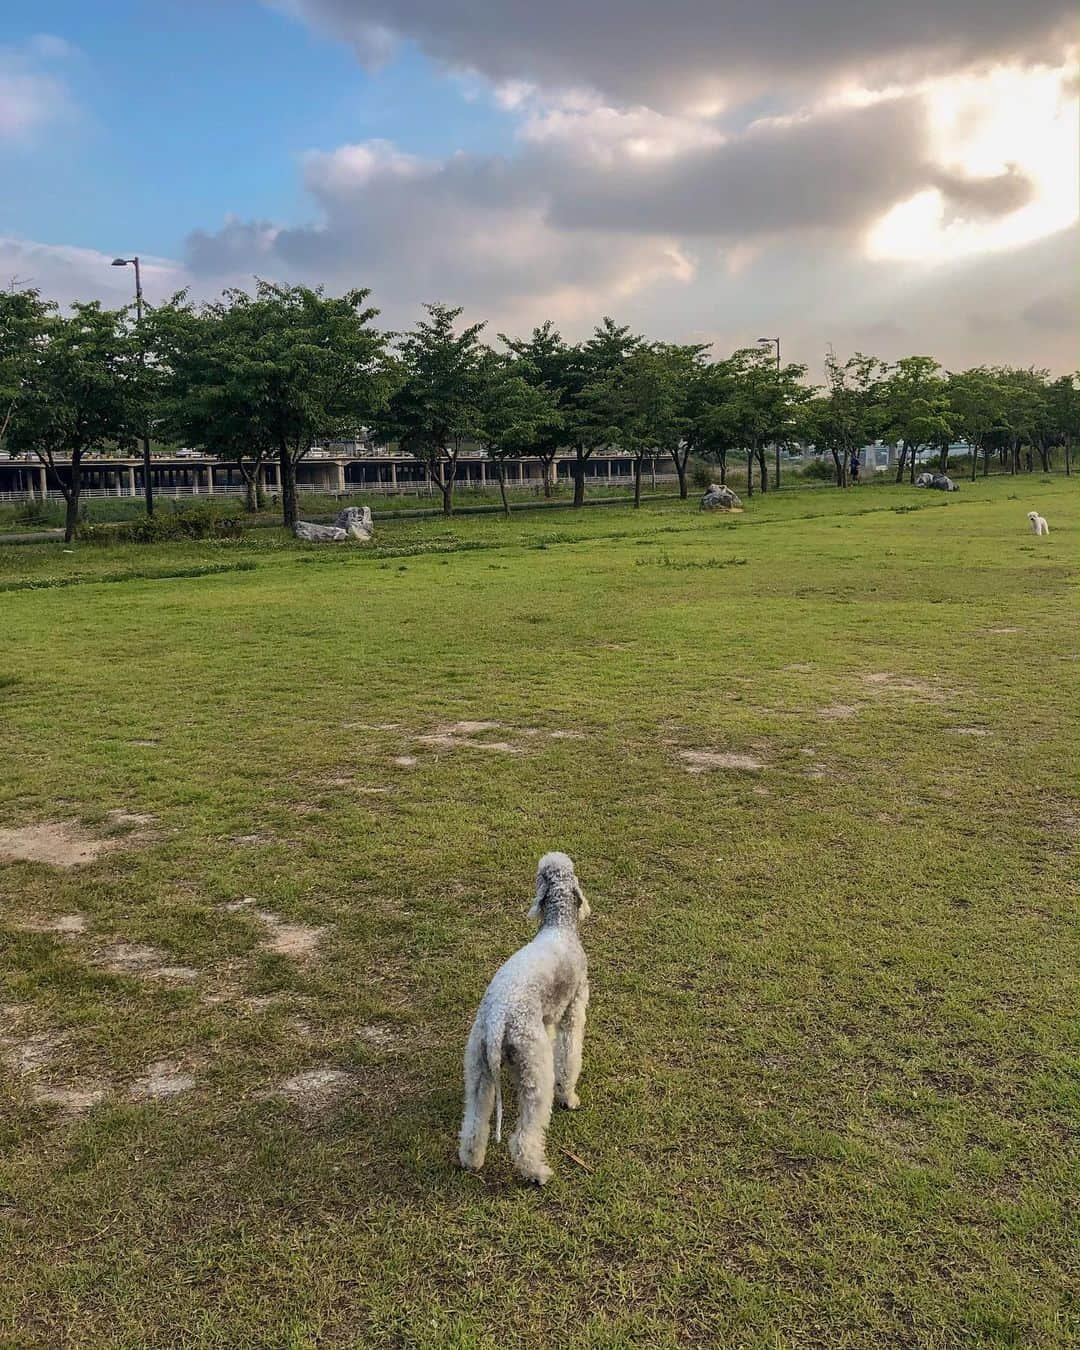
831,1088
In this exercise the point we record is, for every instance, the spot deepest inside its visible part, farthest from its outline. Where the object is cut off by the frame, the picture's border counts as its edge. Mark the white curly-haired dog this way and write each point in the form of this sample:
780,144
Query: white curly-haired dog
532,1018
1038,523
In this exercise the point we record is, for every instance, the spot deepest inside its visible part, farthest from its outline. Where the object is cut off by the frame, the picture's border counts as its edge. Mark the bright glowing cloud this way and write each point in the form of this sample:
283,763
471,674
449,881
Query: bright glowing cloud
983,127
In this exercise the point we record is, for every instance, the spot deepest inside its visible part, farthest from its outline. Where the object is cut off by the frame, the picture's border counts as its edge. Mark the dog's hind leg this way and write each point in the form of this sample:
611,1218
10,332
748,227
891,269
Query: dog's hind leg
568,1044
479,1102
533,1067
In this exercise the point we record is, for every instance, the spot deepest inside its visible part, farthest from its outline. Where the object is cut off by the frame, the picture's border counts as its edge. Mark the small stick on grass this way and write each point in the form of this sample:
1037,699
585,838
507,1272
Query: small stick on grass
574,1158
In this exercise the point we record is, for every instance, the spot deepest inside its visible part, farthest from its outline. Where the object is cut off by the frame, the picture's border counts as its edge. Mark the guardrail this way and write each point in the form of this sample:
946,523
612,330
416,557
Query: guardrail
401,489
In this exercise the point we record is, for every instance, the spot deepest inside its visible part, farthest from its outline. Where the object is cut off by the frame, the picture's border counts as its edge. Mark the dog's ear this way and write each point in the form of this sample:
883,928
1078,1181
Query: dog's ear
541,895
583,905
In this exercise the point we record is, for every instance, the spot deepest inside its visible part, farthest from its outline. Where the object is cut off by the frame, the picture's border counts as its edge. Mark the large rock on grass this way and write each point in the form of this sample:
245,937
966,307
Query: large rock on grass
352,523
719,498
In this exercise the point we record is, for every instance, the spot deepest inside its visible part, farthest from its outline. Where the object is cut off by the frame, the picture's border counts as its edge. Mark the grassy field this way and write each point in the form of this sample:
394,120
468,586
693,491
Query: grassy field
831,1087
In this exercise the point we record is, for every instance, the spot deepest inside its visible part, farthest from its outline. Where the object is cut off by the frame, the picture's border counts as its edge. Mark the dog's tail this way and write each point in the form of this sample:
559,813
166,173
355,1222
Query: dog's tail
494,1067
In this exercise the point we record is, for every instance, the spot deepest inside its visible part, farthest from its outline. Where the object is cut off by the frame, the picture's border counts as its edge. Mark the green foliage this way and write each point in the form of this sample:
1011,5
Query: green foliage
190,523
818,471
436,401
270,373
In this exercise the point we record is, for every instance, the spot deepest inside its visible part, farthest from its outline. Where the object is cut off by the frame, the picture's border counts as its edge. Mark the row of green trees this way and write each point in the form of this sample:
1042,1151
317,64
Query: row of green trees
268,375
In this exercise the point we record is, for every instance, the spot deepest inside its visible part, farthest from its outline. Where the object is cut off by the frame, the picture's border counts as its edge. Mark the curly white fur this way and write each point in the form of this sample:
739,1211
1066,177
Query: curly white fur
1038,523
532,1018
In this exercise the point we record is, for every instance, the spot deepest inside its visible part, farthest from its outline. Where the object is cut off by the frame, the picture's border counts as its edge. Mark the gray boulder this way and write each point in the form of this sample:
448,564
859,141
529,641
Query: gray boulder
925,480
719,498
356,522
944,483
352,523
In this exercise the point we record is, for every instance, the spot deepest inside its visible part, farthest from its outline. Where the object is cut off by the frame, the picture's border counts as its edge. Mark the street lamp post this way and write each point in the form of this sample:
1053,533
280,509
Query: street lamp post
147,485
774,342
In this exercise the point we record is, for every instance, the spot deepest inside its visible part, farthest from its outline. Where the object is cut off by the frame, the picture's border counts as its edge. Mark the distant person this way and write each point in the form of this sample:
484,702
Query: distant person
854,466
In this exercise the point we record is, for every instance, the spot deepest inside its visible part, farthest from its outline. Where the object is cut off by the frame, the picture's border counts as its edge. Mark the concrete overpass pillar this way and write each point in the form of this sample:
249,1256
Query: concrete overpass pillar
131,480
393,474
339,474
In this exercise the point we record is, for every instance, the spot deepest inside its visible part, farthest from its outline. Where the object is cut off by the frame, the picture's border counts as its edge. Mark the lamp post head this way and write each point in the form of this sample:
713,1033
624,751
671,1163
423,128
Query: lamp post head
120,262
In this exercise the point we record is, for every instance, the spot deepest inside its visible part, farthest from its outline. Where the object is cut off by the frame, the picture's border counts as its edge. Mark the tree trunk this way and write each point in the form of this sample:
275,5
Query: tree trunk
1014,455
637,481
777,483
579,477
251,489
287,467
1068,448
902,462
500,469
944,459
974,460
680,469
446,487
986,461
71,498
750,473
763,468
723,469
838,463
547,463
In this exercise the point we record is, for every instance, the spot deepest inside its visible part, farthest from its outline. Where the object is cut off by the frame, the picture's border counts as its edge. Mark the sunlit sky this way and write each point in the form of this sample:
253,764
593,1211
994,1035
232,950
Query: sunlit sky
705,172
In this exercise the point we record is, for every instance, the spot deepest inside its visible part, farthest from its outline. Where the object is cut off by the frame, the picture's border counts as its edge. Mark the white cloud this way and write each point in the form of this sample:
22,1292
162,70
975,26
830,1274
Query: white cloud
33,88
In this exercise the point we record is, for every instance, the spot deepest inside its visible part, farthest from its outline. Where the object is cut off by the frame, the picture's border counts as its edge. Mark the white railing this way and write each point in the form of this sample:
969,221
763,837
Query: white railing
401,489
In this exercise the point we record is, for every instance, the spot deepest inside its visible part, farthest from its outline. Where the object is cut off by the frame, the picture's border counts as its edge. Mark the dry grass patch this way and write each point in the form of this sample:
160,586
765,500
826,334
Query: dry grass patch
316,1089
144,962
701,761
162,1079
838,712
58,843
66,925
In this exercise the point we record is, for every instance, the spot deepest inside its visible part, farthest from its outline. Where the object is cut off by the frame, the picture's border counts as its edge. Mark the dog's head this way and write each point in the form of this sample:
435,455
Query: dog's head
1033,516
551,870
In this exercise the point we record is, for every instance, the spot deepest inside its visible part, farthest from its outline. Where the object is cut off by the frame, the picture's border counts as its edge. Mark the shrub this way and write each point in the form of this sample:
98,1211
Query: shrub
702,474
819,470
190,523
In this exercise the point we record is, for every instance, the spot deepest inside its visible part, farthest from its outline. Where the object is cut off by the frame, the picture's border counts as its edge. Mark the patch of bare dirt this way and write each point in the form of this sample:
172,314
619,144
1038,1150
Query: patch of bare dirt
69,1099
405,761
901,684
31,1057
59,843
1003,630
161,1080
257,840
472,728
567,735
445,740
125,819
67,925
381,1036
29,1054
801,666
132,958
969,731
838,712
298,940
701,761
316,1089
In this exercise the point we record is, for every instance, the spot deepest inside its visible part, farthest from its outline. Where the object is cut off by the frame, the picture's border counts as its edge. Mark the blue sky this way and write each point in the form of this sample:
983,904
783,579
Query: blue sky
190,110
702,171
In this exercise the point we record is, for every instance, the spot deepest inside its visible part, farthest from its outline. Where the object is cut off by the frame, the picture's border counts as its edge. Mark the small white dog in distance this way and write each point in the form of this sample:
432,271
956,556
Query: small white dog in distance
531,1018
1038,523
